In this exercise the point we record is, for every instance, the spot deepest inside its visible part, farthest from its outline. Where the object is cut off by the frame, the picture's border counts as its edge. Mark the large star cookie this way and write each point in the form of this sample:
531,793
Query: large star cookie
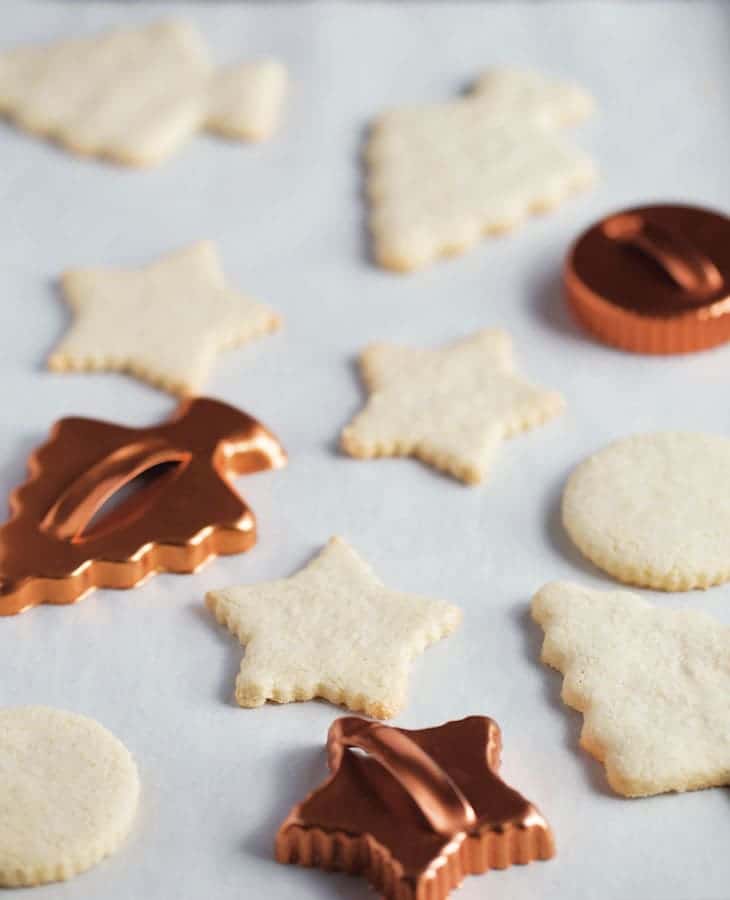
332,630
135,95
450,407
164,323
68,795
441,176
653,685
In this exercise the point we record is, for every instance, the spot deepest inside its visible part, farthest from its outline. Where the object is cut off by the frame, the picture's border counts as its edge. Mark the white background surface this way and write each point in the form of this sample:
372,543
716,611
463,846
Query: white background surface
150,663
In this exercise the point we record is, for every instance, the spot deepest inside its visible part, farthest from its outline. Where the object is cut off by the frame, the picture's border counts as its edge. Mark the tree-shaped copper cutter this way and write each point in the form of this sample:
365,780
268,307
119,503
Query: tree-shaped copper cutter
418,813
52,552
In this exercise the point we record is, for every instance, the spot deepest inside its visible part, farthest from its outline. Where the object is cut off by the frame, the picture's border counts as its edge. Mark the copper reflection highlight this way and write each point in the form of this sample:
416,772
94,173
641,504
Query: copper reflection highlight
52,552
417,812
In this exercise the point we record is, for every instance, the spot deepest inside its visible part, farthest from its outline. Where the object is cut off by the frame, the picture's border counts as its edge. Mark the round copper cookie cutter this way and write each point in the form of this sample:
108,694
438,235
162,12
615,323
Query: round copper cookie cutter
653,279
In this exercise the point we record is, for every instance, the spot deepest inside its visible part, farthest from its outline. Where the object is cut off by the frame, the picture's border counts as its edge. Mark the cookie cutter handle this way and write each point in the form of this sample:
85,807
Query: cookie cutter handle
681,260
77,505
432,790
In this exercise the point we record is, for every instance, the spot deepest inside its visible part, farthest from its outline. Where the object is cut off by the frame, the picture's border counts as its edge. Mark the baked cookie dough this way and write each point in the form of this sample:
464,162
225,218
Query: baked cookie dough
451,407
652,684
68,795
654,510
163,323
332,630
441,176
135,95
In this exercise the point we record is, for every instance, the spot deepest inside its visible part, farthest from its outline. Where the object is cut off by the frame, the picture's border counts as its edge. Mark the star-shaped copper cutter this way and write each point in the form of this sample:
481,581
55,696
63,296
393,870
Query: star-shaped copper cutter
417,812
53,551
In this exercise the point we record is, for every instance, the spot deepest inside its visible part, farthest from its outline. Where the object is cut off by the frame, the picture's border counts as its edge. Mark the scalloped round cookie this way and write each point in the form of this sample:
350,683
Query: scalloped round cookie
654,510
68,795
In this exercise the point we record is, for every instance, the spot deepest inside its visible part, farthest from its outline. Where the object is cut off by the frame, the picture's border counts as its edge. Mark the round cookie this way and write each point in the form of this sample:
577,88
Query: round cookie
68,795
654,510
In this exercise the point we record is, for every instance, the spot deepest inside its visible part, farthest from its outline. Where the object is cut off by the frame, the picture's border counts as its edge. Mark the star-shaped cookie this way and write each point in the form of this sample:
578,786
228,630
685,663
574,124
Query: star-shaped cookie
164,323
334,631
653,686
443,175
134,95
450,407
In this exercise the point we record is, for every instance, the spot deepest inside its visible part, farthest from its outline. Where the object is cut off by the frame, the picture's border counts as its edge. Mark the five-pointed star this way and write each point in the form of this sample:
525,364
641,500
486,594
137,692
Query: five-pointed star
449,407
164,323
333,630
652,684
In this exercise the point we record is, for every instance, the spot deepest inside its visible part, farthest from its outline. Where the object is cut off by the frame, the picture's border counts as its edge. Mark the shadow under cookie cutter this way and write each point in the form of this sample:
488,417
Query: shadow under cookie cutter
51,550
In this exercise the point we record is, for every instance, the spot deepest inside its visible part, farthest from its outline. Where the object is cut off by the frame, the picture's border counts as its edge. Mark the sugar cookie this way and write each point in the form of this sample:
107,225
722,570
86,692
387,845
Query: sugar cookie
652,684
333,630
451,407
654,510
164,323
441,176
68,795
135,95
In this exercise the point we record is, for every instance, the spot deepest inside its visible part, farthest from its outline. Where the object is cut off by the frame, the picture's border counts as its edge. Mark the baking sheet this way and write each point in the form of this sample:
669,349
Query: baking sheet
287,215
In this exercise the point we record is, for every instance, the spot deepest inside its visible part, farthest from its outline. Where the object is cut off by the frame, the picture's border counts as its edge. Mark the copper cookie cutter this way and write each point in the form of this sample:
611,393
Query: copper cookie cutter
52,552
418,813
653,279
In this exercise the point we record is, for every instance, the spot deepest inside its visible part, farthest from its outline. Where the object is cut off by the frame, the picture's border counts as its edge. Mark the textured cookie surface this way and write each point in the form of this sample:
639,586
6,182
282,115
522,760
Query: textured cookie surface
653,685
441,176
68,795
135,95
450,407
164,323
654,510
333,630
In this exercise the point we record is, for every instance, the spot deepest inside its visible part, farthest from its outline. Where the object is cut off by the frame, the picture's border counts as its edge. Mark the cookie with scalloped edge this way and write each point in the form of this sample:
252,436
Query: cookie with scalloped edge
652,683
451,407
164,323
654,510
332,630
68,795
441,176
135,95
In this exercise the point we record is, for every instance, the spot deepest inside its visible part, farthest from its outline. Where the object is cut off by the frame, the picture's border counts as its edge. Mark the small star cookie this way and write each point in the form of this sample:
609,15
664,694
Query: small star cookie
135,95
653,686
164,323
68,795
654,510
450,408
333,630
441,176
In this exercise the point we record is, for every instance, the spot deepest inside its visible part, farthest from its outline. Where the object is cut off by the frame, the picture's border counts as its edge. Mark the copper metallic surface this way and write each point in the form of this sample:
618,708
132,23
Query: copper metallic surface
52,552
655,279
415,813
